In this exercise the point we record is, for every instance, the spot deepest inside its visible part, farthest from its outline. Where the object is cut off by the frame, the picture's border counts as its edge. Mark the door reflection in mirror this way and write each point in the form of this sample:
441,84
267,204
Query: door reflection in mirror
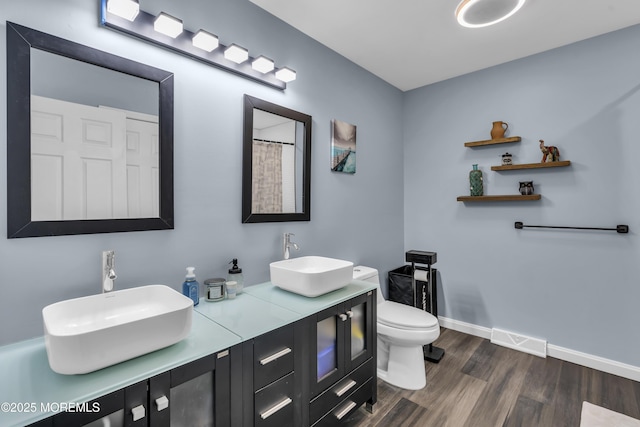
94,142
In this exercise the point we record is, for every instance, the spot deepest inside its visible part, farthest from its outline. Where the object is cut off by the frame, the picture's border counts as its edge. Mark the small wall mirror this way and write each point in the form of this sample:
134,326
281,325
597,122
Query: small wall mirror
89,139
276,183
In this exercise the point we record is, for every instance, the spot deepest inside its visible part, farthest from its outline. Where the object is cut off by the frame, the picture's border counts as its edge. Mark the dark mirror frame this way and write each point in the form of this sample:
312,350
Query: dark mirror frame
20,41
247,216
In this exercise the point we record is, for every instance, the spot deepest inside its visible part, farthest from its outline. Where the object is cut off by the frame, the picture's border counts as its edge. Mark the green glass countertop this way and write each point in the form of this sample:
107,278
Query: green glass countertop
246,315
27,377
306,306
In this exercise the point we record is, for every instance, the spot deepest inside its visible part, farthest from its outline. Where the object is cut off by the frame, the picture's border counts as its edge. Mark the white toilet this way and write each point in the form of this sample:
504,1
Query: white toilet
402,331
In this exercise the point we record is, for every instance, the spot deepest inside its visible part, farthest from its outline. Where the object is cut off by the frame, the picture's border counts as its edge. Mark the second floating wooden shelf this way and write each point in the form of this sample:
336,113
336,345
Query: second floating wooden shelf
531,166
500,198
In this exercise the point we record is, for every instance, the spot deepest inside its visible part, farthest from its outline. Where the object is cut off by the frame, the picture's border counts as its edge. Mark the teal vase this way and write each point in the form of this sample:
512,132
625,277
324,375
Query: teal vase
475,181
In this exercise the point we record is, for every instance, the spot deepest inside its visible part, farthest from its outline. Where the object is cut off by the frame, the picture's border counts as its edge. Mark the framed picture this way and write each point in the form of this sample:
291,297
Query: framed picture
343,147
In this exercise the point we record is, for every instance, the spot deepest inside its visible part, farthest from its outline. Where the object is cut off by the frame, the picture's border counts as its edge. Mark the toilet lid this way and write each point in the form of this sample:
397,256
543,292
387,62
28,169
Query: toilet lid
404,316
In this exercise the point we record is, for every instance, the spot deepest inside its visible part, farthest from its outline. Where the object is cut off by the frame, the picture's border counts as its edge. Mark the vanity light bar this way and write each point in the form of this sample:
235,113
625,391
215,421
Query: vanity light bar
202,46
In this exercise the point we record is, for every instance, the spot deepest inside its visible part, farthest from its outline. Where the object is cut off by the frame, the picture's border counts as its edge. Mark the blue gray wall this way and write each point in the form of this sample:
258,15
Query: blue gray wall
578,290
347,210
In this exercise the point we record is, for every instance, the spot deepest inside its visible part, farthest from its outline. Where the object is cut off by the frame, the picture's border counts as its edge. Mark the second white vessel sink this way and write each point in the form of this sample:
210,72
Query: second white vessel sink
90,333
311,276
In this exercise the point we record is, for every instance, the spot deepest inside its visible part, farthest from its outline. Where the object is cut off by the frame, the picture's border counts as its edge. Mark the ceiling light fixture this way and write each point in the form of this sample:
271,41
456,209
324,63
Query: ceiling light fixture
482,13
263,64
168,25
205,41
127,9
236,54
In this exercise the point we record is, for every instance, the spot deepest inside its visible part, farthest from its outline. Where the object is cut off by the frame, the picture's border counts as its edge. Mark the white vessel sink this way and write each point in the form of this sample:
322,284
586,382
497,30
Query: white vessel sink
90,333
311,276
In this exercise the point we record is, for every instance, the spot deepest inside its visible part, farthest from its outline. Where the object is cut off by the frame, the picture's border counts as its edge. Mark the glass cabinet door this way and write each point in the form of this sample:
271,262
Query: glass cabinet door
359,330
343,339
195,394
192,402
326,347
327,352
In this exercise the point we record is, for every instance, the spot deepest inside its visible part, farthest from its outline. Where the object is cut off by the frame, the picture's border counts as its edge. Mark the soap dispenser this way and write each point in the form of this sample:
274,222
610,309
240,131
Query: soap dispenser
191,287
235,275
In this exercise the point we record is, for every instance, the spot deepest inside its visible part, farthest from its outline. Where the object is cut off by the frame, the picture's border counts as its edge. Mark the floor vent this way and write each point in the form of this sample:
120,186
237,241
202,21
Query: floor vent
530,345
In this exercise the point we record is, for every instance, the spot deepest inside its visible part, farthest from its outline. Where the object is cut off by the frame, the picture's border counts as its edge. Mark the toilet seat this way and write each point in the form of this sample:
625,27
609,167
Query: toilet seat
403,316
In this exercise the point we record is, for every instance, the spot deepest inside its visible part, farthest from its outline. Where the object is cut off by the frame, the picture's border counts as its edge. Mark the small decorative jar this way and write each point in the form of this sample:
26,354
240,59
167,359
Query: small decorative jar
214,289
506,159
526,188
231,287
475,181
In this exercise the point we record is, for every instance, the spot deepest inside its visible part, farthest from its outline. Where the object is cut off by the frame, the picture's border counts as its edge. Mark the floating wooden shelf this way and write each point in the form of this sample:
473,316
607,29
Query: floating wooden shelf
492,141
502,198
531,166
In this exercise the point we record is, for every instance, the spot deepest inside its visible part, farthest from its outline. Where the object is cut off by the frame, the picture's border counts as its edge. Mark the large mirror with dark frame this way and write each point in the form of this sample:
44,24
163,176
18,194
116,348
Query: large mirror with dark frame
89,139
276,170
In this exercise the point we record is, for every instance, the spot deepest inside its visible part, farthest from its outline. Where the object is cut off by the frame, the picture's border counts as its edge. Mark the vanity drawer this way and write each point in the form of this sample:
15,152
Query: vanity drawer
343,411
332,396
274,404
273,356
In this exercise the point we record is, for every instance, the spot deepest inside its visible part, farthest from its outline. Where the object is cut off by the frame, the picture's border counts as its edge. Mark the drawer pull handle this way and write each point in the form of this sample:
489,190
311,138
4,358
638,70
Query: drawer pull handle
162,403
275,408
342,317
350,314
275,356
346,388
344,411
138,413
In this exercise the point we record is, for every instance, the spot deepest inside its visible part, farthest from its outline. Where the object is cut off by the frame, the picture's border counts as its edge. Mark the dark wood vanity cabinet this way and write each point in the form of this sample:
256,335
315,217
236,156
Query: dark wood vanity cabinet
270,393
340,354
197,393
314,372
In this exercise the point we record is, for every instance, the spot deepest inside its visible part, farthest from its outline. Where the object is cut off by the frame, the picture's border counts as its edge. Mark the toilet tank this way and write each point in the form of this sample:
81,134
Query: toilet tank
366,274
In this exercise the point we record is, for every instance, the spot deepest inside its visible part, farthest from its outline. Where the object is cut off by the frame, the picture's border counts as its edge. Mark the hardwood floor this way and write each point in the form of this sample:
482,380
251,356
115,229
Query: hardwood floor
479,384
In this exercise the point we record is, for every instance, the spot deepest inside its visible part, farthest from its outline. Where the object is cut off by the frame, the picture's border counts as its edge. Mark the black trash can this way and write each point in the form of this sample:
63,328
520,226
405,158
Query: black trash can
401,289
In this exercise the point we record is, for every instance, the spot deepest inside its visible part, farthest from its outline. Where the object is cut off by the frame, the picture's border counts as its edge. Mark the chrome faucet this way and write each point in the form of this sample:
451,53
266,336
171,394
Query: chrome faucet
108,272
287,243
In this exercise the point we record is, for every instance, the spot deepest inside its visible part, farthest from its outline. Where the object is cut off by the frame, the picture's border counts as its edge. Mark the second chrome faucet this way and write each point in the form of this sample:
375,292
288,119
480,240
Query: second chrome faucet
108,270
287,243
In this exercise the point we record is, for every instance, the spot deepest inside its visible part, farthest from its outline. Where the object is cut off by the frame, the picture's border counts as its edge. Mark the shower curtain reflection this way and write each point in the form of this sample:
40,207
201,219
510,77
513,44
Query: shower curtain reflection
266,185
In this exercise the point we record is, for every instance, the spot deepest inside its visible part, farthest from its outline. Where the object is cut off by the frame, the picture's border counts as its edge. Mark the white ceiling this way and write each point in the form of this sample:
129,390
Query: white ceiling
412,43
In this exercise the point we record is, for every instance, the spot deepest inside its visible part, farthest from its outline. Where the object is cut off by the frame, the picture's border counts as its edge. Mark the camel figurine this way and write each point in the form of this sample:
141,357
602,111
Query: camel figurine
549,153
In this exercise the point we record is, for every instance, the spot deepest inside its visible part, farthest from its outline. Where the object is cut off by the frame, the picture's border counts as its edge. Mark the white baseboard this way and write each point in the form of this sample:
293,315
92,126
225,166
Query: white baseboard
467,328
590,361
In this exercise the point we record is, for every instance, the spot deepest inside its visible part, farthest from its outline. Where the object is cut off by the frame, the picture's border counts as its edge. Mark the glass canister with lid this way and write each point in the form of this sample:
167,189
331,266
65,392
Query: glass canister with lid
214,289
